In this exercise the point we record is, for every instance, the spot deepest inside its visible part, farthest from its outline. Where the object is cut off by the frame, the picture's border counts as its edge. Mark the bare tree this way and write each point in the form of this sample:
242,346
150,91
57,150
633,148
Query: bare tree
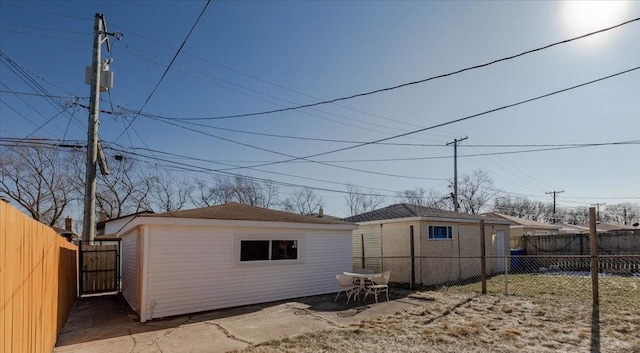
204,195
623,213
304,201
359,202
126,190
269,194
416,196
518,206
474,191
170,193
38,179
236,189
419,196
574,216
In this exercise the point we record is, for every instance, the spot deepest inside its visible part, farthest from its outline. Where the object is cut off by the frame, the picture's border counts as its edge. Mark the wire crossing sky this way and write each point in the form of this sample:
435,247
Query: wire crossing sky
323,94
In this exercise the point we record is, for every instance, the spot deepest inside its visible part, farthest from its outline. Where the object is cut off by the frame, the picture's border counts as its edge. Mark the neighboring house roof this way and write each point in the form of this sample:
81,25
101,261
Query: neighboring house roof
525,223
69,234
241,212
609,227
405,210
572,228
125,216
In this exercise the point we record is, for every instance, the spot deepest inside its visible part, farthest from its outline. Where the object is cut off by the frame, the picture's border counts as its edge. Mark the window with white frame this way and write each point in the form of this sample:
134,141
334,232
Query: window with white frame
440,232
268,249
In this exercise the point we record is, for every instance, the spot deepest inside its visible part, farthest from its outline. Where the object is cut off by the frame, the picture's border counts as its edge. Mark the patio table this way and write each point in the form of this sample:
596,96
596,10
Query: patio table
360,277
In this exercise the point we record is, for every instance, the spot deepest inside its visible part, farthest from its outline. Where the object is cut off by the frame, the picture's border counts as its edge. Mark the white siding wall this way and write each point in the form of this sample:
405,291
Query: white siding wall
129,270
191,269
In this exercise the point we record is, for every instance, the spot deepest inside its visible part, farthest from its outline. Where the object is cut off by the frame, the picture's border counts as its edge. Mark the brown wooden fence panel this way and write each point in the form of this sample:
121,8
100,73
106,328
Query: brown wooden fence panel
38,273
99,268
578,244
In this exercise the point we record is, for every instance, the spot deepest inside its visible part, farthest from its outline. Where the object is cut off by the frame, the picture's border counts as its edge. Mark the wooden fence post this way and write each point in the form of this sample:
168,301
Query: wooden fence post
593,234
483,263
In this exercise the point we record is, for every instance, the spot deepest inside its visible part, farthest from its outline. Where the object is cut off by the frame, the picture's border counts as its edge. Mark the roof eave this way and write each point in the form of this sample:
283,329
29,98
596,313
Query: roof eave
203,222
435,219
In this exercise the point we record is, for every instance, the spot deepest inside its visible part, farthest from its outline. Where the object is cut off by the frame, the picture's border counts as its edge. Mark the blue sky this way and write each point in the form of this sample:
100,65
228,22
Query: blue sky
246,57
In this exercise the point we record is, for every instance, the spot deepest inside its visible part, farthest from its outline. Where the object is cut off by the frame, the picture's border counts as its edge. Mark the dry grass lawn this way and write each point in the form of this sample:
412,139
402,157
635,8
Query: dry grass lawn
540,314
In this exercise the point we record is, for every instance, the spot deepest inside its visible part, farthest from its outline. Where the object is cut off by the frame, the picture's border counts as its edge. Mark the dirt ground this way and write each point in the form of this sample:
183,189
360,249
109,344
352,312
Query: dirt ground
454,321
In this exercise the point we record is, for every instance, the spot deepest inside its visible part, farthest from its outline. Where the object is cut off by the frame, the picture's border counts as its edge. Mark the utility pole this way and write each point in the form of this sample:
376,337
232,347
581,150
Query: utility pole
598,210
455,143
100,35
554,193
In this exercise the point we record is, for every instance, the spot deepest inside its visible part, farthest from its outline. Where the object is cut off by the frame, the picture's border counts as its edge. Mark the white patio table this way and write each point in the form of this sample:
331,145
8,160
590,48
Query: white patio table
360,277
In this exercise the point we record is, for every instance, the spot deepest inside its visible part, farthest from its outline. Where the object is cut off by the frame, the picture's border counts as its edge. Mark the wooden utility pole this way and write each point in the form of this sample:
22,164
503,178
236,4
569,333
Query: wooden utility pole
598,210
554,193
455,143
88,229
100,35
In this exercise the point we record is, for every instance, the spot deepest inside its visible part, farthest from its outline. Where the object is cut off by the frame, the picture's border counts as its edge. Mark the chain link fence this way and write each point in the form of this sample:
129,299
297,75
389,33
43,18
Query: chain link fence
558,277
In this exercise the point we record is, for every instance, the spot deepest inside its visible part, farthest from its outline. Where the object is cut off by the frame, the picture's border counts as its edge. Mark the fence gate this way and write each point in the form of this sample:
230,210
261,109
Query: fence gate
99,266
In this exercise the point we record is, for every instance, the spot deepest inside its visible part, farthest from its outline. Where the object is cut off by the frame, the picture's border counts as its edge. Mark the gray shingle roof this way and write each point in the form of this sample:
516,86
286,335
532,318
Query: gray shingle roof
241,212
405,210
524,222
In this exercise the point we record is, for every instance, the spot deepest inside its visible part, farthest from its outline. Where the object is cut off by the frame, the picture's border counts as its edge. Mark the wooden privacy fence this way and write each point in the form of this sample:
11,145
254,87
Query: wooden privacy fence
578,244
38,275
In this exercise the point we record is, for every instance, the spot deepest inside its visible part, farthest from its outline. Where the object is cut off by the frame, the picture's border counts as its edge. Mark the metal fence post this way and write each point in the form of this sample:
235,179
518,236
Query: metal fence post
80,269
412,284
506,275
593,234
483,263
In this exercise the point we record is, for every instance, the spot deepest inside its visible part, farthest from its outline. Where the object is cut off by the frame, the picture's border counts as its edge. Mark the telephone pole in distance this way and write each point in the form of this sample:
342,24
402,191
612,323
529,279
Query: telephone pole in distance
554,193
454,196
598,210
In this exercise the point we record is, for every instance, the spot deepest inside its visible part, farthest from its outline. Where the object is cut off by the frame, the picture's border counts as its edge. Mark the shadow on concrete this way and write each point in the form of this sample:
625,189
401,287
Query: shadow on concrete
595,329
326,303
103,317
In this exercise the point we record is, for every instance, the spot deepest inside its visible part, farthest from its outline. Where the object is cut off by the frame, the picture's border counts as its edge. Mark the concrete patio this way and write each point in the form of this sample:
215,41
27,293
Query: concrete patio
106,324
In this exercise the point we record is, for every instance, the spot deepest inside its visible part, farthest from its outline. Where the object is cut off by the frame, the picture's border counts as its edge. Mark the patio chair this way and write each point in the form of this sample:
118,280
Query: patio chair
347,286
380,284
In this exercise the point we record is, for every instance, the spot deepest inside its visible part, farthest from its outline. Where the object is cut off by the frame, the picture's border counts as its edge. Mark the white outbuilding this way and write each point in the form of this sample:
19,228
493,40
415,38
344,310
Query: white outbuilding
229,255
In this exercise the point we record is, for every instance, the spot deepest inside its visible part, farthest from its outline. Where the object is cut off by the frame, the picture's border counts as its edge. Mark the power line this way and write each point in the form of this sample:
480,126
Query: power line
572,146
29,78
38,128
50,12
324,180
291,156
567,146
39,94
263,80
406,144
418,81
455,120
306,138
168,68
46,29
199,77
